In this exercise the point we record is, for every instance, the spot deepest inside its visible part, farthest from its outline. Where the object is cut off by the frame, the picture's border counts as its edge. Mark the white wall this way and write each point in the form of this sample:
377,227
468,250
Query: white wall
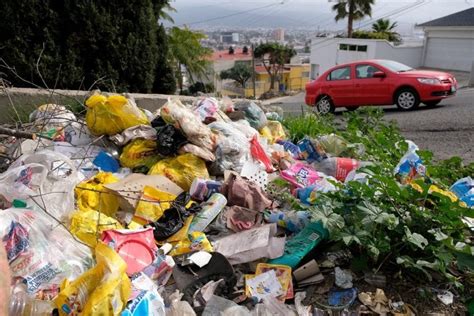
408,55
325,53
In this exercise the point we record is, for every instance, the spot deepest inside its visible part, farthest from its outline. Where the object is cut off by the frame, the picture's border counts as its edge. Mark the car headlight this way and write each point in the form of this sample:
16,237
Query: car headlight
429,80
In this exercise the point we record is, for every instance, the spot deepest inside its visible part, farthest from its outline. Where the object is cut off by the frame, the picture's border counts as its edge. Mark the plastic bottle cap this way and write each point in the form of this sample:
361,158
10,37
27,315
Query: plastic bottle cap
19,204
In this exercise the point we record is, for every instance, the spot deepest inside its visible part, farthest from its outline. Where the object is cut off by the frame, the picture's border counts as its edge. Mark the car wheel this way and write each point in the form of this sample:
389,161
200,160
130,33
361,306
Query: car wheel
432,104
325,105
351,108
407,99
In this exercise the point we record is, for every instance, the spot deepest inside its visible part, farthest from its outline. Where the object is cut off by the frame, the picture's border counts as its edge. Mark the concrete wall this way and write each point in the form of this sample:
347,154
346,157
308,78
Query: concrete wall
325,53
25,100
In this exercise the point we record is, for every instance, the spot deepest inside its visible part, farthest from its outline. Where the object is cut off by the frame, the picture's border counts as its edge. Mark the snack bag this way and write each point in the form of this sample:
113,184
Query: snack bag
195,241
102,290
300,175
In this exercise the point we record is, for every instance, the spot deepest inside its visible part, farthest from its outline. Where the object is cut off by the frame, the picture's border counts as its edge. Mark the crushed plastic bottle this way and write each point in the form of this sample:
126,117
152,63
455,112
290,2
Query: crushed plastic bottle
23,305
338,167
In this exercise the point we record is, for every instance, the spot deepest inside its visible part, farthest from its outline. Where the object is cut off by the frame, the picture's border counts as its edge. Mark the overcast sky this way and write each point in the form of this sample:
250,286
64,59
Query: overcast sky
305,13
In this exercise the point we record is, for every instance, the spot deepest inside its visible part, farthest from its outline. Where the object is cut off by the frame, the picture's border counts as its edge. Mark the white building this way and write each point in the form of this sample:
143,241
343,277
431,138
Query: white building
328,52
448,44
449,41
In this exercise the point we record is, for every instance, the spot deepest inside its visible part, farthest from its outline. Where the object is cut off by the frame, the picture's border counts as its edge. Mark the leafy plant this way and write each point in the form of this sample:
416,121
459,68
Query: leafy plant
414,227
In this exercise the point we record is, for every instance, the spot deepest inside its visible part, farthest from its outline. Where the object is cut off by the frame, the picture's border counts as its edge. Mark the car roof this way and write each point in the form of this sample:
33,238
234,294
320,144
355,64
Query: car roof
358,62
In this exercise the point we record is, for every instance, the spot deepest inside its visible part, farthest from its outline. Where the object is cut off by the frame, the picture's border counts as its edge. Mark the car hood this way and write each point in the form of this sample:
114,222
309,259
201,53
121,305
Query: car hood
426,74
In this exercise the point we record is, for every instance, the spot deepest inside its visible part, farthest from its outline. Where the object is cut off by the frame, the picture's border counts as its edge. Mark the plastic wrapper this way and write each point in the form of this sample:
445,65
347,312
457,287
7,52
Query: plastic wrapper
175,113
148,303
197,151
274,132
181,169
253,113
92,195
311,151
410,166
206,107
300,175
244,127
337,146
153,203
102,290
110,115
44,180
140,153
232,148
196,241
135,132
309,195
464,190
40,252
293,149
89,225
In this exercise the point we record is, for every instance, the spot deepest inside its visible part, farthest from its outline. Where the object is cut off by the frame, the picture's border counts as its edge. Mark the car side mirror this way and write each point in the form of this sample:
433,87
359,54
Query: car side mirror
379,74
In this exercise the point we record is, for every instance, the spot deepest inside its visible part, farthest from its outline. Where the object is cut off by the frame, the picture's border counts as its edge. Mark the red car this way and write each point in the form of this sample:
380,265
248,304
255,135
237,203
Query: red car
378,82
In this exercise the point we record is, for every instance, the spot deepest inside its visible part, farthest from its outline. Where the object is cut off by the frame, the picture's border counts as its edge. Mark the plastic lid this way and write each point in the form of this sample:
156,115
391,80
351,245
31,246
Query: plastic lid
19,204
136,254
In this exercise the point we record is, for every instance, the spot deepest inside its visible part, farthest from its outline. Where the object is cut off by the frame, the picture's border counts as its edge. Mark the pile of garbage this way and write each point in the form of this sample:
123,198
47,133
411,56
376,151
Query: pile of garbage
125,212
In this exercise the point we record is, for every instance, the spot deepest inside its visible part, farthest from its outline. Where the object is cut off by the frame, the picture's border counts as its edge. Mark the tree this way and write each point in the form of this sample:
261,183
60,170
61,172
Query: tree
240,73
384,26
245,50
353,10
273,57
113,45
186,51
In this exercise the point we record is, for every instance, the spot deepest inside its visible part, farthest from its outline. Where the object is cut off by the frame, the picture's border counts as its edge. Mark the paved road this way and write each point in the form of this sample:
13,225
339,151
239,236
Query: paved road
446,130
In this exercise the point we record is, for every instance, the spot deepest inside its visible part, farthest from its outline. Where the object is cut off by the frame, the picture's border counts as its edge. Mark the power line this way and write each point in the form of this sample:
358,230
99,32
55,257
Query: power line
233,14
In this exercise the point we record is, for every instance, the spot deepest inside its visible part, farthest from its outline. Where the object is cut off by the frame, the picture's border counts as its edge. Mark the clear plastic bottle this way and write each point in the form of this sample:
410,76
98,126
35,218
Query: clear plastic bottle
23,305
338,167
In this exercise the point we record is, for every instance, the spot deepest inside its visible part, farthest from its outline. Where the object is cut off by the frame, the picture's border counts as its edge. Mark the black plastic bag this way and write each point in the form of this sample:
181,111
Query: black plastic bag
173,218
168,139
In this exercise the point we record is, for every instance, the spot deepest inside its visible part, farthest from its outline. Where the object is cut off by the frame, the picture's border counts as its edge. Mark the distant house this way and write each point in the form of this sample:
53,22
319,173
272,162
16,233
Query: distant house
449,42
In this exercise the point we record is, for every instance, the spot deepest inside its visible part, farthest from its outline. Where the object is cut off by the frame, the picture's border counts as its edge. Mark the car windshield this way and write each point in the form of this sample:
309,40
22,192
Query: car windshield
394,66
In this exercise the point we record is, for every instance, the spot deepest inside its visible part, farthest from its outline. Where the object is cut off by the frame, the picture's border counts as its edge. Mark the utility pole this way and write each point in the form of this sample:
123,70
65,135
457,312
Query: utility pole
253,73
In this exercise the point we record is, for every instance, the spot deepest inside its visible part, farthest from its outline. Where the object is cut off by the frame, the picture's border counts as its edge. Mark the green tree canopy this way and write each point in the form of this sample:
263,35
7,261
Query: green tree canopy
385,26
185,49
353,10
273,57
240,73
74,44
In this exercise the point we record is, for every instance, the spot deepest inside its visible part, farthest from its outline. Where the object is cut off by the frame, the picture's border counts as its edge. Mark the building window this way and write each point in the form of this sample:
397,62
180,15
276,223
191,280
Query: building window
354,48
305,74
343,73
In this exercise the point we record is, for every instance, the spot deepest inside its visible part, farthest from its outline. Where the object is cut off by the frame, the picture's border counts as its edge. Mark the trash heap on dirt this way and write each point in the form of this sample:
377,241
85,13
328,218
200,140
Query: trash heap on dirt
177,213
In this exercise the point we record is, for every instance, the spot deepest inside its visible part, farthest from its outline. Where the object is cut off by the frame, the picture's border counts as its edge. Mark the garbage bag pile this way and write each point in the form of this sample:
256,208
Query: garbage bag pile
125,213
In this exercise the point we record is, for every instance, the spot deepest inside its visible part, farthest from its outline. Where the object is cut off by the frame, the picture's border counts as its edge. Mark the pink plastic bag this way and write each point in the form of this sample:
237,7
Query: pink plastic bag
300,175
259,154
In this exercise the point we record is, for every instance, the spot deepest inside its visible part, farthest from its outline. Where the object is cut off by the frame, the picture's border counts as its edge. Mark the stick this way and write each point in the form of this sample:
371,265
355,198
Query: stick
21,134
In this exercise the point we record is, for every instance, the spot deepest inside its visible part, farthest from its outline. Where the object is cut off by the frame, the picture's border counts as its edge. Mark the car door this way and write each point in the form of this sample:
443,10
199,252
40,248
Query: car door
340,86
370,90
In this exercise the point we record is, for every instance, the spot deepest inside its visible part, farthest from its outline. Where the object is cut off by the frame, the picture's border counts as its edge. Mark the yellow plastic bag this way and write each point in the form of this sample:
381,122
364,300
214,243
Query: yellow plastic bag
92,195
89,225
181,169
196,241
153,203
102,290
139,152
111,115
274,132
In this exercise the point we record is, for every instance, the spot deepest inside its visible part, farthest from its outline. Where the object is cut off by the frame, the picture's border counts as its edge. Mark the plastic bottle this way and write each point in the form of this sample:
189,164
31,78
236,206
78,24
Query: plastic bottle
338,167
23,305
210,210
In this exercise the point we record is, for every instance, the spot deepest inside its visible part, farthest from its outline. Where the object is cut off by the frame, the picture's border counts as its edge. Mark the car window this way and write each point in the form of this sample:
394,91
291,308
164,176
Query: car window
365,71
394,66
343,73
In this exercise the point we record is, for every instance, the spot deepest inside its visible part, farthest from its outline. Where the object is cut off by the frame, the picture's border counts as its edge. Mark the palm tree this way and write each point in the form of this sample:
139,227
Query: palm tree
383,26
353,10
185,49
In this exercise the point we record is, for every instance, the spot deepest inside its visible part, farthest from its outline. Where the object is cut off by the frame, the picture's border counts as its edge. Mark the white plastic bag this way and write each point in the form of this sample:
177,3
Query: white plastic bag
40,252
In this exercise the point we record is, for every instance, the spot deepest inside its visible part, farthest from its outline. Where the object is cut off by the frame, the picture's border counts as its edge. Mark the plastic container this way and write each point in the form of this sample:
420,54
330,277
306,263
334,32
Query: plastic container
210,210
23,305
